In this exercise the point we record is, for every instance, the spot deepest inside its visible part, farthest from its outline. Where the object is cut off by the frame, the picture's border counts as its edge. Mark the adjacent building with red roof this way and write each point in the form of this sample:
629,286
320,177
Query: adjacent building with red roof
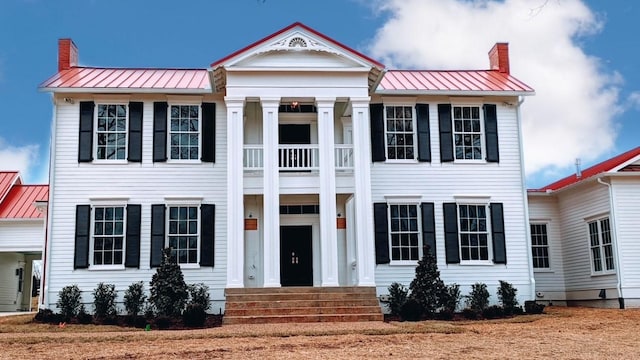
294,161
22,236
585,235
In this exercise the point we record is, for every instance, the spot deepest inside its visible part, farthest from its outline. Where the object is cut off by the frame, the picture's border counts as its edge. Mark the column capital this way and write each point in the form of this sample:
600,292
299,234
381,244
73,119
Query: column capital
325,101
360,101
232,101
269,102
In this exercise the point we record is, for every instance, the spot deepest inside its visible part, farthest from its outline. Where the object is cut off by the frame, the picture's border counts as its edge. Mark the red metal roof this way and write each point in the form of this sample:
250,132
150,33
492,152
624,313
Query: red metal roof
18,204
306,28
425,81
165,80
603,167
7,179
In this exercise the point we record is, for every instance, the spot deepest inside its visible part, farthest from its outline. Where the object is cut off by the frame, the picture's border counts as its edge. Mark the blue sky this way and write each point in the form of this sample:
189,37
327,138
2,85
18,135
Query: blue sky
588,67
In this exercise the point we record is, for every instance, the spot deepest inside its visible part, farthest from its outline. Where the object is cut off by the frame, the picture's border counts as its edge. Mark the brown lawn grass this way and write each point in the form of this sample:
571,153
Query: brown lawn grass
560,333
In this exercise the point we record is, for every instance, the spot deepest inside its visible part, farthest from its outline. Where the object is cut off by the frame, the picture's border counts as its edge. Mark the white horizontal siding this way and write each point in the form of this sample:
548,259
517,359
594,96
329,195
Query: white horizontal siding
439,182
627,214
22,235
9,299
549,282
576,207
143,183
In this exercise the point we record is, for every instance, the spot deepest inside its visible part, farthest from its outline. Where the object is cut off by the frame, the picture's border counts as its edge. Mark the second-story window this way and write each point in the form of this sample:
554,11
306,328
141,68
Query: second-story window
467,132
400,132
184,125
111,132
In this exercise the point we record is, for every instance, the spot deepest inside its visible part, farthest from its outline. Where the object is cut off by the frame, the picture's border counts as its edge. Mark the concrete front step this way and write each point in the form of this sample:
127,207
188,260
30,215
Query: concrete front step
272,319
301,304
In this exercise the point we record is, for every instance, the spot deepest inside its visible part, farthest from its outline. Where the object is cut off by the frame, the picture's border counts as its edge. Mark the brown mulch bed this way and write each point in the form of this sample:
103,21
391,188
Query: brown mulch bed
560,333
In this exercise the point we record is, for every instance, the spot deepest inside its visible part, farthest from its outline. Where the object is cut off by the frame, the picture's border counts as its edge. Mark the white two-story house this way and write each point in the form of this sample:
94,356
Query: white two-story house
293,162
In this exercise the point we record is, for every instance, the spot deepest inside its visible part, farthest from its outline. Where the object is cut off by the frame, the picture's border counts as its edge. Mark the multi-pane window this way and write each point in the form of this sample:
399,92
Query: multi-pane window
400,134
473,232
111,132
601,246
185,132
539,246
183,233
404,232
467,132
108,235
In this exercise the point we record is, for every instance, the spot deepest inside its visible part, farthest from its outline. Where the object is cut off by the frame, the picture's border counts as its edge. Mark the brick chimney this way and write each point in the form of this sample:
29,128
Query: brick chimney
67,54
499,57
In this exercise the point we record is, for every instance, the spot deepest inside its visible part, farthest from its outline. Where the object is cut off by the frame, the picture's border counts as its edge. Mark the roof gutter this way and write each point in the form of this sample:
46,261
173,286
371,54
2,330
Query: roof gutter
614,234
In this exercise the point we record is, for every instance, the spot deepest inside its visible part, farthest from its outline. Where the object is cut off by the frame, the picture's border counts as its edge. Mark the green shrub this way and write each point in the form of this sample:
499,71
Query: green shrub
199,294
507,295
450,298
69,301
397,297
427,287
83,316
478,298
104,300
48,317
163,322
411,310
493,312
134,298
194,315
531,307
168,290
470,314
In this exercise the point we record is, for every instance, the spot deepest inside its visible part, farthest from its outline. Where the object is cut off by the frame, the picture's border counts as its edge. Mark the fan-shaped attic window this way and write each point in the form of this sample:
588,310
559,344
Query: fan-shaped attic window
297,42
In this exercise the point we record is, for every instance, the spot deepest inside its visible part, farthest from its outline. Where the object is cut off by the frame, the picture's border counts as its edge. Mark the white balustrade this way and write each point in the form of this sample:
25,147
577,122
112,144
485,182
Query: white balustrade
297,157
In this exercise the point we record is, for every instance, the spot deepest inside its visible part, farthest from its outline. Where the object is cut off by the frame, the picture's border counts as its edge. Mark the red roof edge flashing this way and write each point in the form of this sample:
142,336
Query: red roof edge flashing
305,27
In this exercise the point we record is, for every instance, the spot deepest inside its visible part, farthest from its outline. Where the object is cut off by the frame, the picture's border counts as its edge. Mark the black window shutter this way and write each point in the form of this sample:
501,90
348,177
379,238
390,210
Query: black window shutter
497,234
424,140
81,249
207,234
451,247
428,229
381,233
376,113
157,233
160,131
209,132
135,131
446,134
132,255
85,140
491,132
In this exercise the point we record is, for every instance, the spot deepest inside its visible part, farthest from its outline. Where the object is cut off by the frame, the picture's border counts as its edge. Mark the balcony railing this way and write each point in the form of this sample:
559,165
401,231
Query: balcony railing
297,157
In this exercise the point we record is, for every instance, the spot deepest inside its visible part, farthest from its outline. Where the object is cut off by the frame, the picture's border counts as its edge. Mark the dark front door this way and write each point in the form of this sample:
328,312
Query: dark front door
296,268
293,159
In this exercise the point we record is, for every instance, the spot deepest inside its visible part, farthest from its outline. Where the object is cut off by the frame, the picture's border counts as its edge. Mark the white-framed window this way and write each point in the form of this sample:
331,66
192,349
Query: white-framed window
539,246
183,235
601,245
468,131
404,233
111,131
400,132
184,132
108,238
474,233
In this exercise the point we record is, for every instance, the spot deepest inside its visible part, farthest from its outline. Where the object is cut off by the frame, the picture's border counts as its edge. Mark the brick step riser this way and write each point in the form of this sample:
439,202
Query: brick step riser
297,303
302,311
297,296
302,319
298,289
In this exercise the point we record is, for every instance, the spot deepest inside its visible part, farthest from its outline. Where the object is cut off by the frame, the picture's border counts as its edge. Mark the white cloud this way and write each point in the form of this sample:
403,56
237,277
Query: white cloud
633,100
21,158
572,113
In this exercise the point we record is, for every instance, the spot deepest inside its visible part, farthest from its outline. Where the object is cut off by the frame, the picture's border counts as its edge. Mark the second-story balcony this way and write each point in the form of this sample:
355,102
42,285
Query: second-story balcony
298,157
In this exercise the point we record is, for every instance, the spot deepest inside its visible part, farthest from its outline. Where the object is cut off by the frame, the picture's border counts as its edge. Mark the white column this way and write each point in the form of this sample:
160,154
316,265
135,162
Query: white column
235,192
271,176
328,231
365,250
